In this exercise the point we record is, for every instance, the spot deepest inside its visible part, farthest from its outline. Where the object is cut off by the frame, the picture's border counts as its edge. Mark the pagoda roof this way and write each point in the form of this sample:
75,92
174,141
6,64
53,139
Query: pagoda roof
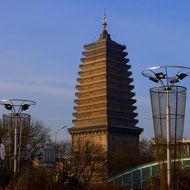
116,129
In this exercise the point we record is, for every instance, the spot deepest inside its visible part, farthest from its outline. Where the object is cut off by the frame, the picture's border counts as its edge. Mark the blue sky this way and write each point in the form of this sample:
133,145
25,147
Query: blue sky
41,44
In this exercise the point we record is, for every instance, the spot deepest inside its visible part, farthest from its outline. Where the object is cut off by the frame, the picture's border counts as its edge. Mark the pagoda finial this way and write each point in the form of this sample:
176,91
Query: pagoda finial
104,21
104,33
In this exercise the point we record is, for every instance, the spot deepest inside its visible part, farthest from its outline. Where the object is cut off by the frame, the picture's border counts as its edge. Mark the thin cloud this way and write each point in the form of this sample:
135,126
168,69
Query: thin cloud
35,88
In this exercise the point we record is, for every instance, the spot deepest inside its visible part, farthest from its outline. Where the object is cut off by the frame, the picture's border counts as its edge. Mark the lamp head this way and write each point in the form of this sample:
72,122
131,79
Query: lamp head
25,107
8,106
64,127
181,76
160,75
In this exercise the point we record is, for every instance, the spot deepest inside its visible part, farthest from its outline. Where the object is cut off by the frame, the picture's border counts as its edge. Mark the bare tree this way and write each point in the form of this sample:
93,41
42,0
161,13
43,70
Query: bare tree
125,156
63,150
86,162
35,178
128,155
147,149
33,137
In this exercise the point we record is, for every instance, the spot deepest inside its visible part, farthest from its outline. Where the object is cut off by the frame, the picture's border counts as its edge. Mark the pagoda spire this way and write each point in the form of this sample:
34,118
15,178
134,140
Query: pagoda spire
105,20
104,33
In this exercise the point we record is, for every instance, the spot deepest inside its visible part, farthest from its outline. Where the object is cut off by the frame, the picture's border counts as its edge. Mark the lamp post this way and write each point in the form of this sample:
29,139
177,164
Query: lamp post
57,153
16,119
58,132
168,109
1,160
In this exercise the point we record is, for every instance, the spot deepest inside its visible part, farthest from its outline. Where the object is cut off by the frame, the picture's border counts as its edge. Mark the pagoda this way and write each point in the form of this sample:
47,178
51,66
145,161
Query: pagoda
104,105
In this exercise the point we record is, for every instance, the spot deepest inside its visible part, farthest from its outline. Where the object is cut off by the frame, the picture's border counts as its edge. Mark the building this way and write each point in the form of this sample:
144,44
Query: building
105,111
49,156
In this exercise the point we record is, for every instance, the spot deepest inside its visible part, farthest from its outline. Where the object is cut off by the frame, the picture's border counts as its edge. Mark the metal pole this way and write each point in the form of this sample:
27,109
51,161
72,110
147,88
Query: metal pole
0,152
19,143
15,149
58,131
168,140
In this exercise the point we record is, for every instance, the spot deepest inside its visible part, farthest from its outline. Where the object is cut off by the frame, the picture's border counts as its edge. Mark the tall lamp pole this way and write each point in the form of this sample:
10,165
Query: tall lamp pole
58,132
168,133
16,108
168,107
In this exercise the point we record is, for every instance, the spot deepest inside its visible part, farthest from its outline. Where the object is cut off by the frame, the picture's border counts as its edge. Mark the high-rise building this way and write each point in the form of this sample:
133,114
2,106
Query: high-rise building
105,110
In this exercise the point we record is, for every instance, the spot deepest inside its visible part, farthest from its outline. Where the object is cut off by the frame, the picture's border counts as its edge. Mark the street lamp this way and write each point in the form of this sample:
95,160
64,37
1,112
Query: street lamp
168,109
16,119
1,160
58,132
57,154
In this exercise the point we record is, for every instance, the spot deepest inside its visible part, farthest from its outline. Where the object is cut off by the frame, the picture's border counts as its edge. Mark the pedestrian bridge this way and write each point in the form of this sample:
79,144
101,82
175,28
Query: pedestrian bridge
136,177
